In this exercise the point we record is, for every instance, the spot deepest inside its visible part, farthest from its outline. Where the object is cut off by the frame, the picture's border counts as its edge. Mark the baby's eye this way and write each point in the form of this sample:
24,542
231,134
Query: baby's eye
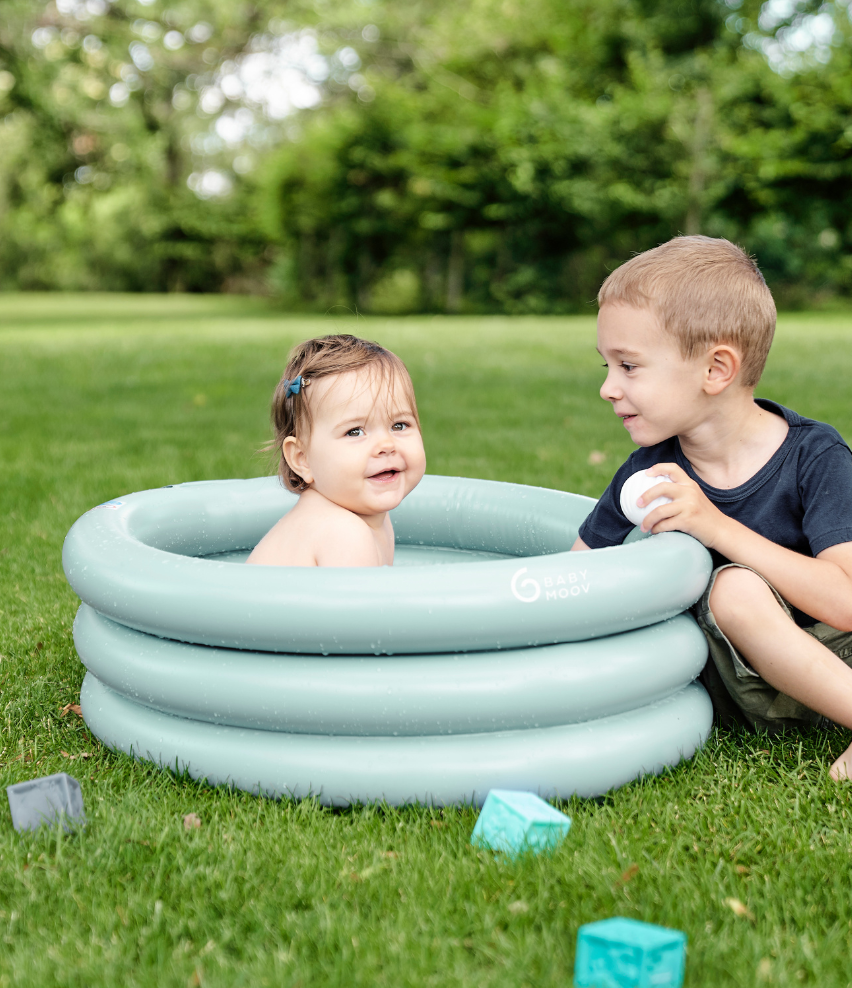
399,426
628,367
356,432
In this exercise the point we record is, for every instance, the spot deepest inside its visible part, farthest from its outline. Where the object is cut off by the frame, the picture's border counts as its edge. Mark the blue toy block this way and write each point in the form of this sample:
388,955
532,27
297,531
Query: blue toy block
517,821
45,800
624,953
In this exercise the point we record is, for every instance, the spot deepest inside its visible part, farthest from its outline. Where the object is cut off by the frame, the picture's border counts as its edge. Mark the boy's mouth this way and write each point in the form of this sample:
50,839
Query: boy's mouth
385,476
628,418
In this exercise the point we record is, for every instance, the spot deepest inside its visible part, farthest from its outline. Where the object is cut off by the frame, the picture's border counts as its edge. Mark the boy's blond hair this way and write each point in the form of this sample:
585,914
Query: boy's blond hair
704,292
322,357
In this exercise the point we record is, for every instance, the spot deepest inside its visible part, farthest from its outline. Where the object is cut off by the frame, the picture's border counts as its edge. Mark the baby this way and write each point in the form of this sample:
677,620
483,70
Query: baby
349,438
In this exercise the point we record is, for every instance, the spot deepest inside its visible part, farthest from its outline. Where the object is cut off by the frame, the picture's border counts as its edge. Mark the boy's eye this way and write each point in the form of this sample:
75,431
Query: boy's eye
629,367
356,432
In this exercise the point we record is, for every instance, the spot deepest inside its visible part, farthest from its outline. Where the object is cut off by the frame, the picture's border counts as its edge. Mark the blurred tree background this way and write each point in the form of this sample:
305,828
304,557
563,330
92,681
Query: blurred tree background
496,155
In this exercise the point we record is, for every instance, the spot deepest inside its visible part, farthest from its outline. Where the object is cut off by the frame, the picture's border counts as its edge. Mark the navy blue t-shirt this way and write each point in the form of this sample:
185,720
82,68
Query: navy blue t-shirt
801,499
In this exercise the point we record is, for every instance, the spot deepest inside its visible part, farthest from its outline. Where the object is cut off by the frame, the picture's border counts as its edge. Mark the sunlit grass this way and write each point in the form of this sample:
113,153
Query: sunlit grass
104,395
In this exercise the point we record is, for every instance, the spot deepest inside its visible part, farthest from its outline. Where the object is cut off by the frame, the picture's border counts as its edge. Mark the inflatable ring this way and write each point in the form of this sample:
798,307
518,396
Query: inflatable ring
364,695
139,560
525,667
579,759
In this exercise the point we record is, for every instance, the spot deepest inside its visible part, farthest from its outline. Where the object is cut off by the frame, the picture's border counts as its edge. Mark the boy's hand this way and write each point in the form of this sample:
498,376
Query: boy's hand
690,510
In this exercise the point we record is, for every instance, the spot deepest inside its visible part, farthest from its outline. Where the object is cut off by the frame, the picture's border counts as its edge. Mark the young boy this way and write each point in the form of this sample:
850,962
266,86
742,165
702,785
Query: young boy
685,330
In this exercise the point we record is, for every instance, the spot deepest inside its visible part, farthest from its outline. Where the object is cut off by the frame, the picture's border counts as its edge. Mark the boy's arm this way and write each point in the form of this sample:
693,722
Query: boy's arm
606,525
821,586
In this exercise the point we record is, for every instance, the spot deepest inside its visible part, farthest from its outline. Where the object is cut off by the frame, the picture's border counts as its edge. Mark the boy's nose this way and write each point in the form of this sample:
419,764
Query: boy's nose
609,390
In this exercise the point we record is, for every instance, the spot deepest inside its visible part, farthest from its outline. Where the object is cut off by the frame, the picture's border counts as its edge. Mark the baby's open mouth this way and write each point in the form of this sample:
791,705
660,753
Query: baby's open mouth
385,475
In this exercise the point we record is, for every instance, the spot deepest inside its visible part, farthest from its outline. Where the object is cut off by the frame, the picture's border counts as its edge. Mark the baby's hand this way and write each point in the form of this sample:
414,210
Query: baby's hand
690,510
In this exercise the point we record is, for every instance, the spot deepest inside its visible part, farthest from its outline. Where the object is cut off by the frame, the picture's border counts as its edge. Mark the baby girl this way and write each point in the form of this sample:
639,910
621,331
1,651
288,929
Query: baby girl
348,434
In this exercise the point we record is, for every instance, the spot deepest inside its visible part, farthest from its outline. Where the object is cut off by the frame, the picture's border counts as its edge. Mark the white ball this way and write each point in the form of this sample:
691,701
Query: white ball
634,488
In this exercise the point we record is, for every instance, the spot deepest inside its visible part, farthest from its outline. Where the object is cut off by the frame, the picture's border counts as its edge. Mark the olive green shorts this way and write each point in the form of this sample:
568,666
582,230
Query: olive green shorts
738,693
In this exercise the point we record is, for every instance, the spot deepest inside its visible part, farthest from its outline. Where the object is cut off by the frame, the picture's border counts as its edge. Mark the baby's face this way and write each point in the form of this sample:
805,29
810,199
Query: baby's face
365,450
653,389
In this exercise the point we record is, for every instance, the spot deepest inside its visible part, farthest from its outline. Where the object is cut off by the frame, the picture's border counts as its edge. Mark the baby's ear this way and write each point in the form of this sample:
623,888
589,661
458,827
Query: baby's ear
297,459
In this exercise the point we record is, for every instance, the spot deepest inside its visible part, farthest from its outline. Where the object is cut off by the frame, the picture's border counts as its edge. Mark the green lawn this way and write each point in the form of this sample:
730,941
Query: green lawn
102,395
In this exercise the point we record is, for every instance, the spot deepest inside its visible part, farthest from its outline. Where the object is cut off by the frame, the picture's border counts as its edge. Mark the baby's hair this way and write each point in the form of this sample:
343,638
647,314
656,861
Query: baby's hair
322,357
704,291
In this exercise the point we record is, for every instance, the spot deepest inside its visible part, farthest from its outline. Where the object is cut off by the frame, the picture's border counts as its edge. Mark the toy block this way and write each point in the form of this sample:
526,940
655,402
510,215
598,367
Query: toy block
45,801
517,821
624,953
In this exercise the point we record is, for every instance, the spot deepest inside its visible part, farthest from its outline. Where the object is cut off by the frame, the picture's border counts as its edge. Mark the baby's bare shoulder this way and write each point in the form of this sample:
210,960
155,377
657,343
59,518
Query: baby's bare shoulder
318,532
345,540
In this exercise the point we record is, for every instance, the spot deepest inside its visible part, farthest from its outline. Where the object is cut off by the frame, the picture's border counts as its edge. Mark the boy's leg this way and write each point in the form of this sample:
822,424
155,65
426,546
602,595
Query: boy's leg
798,666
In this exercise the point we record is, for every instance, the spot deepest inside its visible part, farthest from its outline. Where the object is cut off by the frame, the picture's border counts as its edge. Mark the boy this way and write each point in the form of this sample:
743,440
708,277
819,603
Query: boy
685,330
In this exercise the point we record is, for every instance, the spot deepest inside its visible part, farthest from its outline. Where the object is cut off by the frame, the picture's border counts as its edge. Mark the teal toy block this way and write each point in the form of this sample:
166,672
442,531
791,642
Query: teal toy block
624,953
518,821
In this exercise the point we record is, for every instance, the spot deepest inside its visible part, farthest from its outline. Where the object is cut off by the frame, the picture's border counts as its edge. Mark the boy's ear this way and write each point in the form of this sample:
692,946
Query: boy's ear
722,369
297,459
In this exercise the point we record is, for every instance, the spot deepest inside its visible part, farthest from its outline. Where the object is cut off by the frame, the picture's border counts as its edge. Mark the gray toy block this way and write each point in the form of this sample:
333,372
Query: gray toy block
44,801
513,822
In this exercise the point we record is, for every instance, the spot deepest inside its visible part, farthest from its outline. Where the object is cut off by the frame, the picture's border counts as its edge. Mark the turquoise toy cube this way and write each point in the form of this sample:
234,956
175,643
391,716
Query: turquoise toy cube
624,953
518,821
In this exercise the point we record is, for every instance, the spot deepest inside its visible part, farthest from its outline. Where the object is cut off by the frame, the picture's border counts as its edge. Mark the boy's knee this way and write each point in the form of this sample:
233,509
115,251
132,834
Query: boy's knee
740,595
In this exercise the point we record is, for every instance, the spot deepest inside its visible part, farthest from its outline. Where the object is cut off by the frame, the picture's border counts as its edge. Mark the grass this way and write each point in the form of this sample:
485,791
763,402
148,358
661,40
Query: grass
102,395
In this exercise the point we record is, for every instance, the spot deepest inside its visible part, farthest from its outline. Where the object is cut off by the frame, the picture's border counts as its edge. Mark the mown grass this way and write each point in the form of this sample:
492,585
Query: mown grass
104,395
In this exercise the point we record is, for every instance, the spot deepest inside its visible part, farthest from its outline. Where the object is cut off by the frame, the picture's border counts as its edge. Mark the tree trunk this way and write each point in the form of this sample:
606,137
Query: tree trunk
702,132
332,265
306,275
433,282
365,281
455,272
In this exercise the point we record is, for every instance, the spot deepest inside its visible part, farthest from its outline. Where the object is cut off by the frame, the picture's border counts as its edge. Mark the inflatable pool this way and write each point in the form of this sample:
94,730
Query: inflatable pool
488,656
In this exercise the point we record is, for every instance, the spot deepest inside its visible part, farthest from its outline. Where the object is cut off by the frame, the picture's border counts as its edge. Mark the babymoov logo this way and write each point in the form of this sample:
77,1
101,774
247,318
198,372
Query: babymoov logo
556,587
532,594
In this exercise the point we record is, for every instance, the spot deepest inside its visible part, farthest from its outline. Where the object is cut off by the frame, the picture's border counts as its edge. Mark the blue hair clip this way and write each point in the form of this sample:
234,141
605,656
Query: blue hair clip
293,387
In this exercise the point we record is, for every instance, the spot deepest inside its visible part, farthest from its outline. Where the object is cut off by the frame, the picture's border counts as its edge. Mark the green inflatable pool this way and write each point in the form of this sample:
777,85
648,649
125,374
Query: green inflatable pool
488,656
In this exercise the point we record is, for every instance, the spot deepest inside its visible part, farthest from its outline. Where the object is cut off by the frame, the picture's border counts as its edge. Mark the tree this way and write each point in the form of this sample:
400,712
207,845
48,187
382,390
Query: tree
517,150
492,156
100,121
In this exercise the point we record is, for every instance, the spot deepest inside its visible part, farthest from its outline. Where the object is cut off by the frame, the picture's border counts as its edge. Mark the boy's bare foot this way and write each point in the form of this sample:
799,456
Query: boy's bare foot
841,770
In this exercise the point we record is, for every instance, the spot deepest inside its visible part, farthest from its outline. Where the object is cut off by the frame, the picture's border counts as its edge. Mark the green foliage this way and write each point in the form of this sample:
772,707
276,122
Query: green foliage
111,393
489,156
516,153
95,151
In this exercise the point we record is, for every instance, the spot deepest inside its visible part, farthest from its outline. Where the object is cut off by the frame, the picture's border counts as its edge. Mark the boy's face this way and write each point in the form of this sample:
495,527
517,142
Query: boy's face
653,389
365,451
